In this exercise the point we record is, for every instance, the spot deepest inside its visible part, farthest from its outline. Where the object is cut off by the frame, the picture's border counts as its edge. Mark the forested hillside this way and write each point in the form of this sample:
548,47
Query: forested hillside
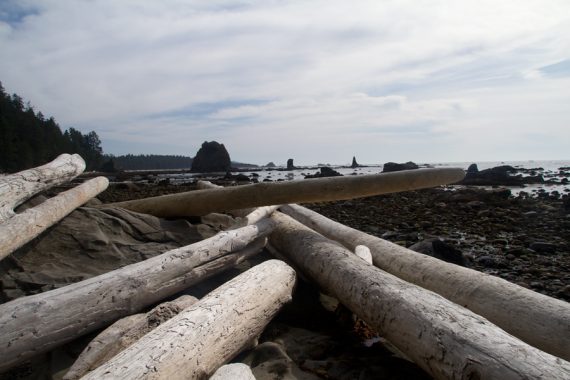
28,139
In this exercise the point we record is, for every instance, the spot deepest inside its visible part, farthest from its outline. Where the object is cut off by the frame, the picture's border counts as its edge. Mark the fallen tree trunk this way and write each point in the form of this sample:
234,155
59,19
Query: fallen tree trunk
124,333
445,339
22,228
539,320
18,187
35,324
196,342
201,202
234,371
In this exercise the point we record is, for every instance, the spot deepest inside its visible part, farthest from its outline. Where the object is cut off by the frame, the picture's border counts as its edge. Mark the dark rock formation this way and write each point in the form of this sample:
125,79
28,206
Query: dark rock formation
290,165
472,169
354,163
440,250
499,176
325,172
270,165
211,157
395,167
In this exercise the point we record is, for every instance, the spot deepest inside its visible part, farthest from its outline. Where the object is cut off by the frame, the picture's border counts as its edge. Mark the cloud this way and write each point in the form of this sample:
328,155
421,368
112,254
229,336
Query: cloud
273,79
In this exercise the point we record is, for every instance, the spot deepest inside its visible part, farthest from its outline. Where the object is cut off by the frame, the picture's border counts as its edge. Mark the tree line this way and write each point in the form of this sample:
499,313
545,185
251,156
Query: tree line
147,162
29,139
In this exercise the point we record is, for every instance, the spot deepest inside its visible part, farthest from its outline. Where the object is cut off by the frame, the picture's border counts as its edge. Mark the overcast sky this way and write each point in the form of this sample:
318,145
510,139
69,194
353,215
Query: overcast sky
317,81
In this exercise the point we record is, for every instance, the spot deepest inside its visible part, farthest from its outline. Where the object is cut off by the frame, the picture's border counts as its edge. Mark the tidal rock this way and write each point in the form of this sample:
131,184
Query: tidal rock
211,157
472,169
394,167
290,165
440,250
354,163
324,172
270,165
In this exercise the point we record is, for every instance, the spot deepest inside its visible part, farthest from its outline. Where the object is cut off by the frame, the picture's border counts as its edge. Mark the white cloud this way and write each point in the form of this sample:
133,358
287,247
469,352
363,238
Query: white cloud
387,80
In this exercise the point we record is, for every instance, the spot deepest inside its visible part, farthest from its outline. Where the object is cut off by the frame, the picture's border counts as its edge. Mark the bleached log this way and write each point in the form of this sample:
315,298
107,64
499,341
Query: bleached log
537,319
196,342
22,228
35,324
201,202
445,339
234,371
124,333
18,187
363,252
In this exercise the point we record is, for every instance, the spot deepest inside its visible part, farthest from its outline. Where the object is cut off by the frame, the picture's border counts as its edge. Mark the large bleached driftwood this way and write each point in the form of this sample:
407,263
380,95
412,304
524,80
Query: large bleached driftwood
17,188
201,202
22,228
193,344
445,339
539,320
38,323
124,333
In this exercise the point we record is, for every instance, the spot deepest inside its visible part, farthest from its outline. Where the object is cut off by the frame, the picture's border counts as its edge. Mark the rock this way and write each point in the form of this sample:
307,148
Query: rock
472,169
211,157
394,167
440,250
270,165
89,242
290,165
486,261
354,163
324,172
543,247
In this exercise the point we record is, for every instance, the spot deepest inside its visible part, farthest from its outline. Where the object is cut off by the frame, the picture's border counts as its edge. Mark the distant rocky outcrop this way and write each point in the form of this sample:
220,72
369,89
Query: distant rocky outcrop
290,165
271,164
395,167
211,157
354,163
324,172
504,175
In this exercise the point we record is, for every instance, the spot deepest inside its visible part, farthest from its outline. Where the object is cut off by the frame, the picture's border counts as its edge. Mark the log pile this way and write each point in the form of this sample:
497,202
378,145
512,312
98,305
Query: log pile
451,321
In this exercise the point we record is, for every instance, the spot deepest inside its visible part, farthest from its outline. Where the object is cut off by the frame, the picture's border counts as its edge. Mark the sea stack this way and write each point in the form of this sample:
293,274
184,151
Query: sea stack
290,165
211,157
354,163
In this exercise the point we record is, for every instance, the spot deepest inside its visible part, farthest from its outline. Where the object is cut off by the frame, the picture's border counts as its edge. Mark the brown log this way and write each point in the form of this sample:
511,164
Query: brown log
445,339
196,342
124,333
35,324
537,319
201,202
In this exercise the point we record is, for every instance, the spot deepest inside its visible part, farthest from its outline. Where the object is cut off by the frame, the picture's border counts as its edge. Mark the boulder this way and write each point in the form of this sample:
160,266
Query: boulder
324,172
440,250
211,157
395,167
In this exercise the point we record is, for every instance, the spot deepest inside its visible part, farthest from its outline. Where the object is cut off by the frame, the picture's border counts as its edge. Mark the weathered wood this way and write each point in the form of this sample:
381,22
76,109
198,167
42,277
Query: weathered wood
22,228
234,371
38,323
124,333
18,187
201,202
445,339
363,252
539,320
196,342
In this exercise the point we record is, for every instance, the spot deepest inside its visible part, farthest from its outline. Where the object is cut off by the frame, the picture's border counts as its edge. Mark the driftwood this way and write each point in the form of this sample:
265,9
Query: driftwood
445,339
235,371
364,253
22,228
201,202
16,188
196,342
38,323
124,333
539,320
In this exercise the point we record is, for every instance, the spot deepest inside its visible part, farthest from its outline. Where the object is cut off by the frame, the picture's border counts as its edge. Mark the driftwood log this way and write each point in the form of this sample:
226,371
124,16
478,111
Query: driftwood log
22,228
201,202
537,319
445,339
124,333
196,342
234,371
16,188
35,324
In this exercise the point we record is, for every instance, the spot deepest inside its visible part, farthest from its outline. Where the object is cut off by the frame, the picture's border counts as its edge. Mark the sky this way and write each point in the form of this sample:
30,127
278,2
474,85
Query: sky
317,81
